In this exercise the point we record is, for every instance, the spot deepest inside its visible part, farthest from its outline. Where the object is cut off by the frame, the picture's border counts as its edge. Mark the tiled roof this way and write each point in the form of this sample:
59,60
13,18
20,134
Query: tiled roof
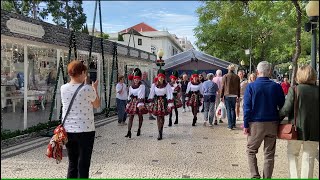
141,27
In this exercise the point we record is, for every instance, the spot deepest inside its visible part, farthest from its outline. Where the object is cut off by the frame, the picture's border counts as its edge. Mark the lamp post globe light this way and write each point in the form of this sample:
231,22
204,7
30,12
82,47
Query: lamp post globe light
290,69
248,52
160,62
312,10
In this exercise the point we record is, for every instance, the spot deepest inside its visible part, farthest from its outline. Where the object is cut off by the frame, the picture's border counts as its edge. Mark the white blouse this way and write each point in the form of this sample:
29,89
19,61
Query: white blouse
139,92
161,91
174,87
81,117
192,87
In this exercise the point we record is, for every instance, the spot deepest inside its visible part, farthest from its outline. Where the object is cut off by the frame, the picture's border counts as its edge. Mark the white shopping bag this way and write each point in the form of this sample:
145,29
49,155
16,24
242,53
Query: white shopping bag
221,111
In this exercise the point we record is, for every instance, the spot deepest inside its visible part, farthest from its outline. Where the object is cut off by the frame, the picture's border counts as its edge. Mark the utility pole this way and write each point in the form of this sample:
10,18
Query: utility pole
67,10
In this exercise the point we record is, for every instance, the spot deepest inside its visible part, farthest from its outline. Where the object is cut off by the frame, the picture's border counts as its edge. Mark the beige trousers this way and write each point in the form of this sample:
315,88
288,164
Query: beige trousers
309,153
266,132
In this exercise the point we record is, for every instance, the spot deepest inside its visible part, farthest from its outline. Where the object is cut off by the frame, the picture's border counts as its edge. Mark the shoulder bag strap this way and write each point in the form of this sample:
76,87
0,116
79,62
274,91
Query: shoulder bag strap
295,107
71,102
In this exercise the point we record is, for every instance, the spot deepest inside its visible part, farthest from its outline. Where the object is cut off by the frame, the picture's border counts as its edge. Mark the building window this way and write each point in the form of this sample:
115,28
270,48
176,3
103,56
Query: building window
140,42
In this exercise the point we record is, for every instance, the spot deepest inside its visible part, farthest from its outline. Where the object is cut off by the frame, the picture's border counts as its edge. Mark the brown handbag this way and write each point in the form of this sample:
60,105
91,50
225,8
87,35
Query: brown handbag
289,131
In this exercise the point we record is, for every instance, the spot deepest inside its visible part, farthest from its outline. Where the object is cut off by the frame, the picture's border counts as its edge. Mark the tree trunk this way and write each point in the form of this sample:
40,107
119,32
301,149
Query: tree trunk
298,44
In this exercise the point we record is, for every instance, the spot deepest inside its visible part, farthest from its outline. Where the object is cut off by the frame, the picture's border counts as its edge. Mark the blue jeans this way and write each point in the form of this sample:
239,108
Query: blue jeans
209,110
121,108
230,103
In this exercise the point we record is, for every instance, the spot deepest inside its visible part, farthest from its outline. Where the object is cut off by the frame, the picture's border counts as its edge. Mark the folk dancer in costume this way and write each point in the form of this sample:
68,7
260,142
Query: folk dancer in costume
176,88
194,96
136,99
161,100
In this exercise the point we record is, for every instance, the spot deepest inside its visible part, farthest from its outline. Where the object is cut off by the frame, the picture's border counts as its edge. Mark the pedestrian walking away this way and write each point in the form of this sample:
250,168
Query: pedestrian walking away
194,96
136,99
230,94
262,101
176,96
218,80
243,84
184,85
209,89
161,100
302,104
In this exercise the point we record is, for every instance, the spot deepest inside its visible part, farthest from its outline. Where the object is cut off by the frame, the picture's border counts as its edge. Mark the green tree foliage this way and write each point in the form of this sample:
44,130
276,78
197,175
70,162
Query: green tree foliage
225,29
29,8
120,37
104,36
85,29
67,13
64,12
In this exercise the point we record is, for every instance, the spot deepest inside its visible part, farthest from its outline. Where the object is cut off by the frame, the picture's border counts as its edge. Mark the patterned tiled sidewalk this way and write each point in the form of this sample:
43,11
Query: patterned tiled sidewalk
185,152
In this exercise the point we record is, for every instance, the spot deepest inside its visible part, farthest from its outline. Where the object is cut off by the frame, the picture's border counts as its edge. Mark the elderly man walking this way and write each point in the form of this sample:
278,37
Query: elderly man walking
209,89
262,101
218,80
230,93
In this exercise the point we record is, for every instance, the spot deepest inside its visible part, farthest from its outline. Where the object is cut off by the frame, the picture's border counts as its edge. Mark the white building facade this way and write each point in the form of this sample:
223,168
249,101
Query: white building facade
151,41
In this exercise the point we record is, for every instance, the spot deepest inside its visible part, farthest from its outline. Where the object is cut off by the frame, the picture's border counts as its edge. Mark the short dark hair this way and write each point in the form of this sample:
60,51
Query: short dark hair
120,78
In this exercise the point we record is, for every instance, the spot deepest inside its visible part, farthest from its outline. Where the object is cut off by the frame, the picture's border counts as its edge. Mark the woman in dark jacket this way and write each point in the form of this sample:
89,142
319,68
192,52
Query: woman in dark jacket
307,94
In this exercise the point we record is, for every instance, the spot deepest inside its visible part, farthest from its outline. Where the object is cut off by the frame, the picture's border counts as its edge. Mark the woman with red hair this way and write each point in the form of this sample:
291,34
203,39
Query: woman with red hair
176,96
194,96
136,99
161,100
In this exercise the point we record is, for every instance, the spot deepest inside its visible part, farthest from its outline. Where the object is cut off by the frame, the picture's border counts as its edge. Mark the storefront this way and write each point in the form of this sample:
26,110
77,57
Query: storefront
31,51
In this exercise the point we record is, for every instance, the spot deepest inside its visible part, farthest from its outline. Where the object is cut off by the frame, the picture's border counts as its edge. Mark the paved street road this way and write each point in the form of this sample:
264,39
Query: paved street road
185,152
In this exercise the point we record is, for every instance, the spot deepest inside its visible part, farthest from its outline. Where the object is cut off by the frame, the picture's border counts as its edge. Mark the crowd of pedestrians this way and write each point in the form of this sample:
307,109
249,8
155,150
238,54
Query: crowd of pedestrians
264,102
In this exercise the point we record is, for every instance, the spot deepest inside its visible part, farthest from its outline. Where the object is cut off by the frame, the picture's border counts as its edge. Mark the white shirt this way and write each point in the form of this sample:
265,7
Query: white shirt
124,94
139,92
161,91
81,117
193,88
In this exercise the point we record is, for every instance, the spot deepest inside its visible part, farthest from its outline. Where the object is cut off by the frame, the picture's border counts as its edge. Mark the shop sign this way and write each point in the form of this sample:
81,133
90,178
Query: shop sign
22,27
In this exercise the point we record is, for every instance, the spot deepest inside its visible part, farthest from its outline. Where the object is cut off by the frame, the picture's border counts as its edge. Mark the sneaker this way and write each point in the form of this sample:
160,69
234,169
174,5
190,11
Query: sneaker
220,121
152,118
230,129
210,125
215,123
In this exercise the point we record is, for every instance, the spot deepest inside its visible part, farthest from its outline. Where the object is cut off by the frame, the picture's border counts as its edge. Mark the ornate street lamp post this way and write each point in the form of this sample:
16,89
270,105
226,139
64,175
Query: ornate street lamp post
160,62
312,9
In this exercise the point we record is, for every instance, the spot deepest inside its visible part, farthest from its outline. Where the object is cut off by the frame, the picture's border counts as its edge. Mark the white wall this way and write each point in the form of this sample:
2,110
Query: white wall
146,42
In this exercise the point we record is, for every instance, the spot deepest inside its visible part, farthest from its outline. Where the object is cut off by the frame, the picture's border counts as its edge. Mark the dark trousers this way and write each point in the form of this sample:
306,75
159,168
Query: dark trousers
121,108
183,97
230,103
79,149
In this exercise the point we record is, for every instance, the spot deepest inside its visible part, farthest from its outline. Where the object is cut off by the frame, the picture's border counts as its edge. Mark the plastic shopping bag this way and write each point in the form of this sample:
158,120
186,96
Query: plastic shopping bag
221,111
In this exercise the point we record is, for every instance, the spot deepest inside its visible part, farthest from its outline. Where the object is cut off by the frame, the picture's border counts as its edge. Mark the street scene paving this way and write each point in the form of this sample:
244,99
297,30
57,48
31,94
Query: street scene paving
184,152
